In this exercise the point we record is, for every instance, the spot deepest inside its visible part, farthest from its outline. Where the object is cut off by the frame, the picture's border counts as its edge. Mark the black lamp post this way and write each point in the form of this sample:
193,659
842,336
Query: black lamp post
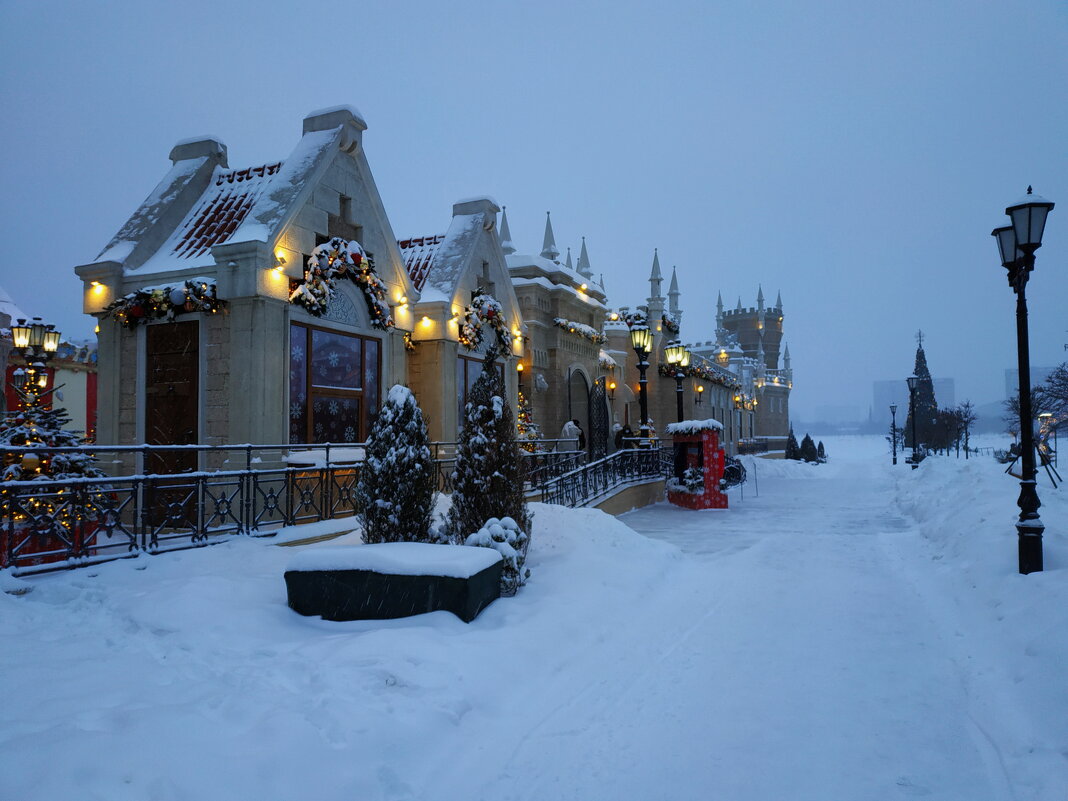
1017,245
641,339
893,429
677,355
914,383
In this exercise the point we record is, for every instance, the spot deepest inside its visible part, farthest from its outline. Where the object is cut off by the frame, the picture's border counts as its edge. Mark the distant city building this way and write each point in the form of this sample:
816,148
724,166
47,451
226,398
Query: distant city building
886,392
1012,379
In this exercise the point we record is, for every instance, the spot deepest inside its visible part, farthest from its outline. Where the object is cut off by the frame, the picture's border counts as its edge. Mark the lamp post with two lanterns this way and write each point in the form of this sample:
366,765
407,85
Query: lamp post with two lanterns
914,384
641,339
679,357
1017,244
36,343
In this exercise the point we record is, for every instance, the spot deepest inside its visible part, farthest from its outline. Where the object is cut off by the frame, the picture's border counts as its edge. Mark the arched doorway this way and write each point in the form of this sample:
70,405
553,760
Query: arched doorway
578,401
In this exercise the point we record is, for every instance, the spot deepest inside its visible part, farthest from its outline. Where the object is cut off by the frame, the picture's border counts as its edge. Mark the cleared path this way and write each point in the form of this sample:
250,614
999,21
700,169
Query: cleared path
791,659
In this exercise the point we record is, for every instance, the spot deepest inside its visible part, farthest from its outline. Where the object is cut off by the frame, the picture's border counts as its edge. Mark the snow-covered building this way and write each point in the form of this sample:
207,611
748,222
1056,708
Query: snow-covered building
708,389
565,373
466,306
749,342
209,332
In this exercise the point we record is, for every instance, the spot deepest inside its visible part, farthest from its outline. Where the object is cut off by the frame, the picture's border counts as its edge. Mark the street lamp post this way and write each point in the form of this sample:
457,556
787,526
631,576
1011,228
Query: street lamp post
641,339
1017,245
36,343
677,355
893,429
914,383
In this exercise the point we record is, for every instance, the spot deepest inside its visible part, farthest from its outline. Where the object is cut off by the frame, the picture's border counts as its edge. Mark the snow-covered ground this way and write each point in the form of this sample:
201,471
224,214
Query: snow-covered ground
851,632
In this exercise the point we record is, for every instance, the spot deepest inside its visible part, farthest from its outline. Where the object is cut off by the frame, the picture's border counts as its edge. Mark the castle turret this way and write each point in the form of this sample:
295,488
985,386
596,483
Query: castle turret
548,246
719,311
584,267
506,235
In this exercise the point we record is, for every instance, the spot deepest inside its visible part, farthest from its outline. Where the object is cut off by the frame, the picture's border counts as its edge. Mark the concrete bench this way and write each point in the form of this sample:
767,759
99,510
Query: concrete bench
393,579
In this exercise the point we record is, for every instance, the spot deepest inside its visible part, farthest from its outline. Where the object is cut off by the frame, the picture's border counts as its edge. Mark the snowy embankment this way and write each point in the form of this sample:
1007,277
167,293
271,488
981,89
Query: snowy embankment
186,676
851,631
1008,632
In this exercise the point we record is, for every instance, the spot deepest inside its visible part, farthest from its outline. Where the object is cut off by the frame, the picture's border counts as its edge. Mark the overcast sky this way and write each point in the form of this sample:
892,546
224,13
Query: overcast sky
854,156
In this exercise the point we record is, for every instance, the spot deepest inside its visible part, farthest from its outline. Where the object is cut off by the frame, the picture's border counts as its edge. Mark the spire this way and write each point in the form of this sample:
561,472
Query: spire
567,262
778,300
506,235
673,292
739,304
719,310
584,261
548,246
655,278
786,357
760,298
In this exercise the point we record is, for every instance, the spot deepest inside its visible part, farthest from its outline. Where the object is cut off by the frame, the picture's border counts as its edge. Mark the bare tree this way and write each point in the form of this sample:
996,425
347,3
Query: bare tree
967,417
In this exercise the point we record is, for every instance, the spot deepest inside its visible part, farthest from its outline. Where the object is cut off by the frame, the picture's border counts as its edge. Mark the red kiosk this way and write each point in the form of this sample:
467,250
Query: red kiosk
699,462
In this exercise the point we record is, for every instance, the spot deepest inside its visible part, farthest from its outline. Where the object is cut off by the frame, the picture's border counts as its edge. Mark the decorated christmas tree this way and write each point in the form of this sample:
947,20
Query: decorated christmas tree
27,433
926,406
395,494
527,430
489,507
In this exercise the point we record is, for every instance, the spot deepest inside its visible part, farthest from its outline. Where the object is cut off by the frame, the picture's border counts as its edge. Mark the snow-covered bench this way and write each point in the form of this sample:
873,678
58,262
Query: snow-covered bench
393,579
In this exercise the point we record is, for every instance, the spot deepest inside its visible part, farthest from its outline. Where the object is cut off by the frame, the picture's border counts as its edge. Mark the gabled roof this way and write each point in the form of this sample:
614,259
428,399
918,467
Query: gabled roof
250,204
220,211
441,259
418,253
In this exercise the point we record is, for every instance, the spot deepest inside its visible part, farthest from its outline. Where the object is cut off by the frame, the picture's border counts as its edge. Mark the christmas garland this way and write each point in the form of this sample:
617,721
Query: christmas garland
583,330
701,371
484,309
669,324
164,303
634,319
338,259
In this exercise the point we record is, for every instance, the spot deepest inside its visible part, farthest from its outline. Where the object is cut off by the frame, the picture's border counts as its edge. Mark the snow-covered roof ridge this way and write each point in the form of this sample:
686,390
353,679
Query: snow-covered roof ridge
10,308
693,426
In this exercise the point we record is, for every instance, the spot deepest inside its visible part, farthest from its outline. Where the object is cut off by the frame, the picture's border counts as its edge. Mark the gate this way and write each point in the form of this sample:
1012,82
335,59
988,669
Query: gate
598,420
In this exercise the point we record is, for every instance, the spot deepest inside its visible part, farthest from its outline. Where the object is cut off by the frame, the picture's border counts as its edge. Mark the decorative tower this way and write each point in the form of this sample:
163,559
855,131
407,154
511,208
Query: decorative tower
567,261
584,267
548,246
655,299
506,235
673,297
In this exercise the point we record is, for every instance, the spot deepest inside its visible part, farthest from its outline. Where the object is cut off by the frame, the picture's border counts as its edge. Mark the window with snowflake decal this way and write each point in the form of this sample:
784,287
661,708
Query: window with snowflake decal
333,384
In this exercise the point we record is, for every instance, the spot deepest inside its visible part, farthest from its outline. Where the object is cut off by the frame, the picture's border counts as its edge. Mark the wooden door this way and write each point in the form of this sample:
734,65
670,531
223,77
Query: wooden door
171,394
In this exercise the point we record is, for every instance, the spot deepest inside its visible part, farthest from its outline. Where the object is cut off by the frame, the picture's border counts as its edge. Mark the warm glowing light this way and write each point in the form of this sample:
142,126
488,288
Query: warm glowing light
612,385
614,316
426,321
97,329
519,367
98,287
700,388
584,287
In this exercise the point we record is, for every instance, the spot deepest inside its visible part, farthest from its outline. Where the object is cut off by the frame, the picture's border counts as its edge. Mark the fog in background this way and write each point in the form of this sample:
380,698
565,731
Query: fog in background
853,156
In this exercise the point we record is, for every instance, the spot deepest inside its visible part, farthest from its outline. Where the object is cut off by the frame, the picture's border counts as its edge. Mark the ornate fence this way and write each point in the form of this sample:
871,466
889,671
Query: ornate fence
50,525
588,482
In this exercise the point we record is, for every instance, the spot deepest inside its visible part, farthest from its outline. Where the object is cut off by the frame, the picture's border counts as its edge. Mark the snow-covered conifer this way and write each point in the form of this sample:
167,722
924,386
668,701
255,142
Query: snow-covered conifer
489,473
395,494
808,450
792,449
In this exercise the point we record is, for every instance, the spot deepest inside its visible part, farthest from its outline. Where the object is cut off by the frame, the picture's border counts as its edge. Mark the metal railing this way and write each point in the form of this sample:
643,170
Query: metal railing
53,524
591,481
